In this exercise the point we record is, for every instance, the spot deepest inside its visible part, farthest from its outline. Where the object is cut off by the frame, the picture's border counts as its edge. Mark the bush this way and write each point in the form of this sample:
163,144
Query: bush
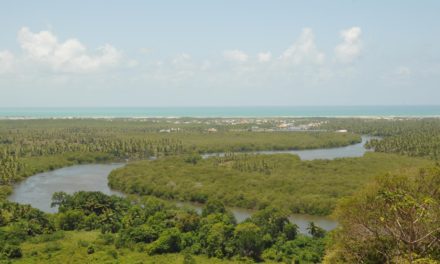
90,249
113,253
106,239
48,237
168,242
397,216
52,247
248,240
188,258
91,222
70,220
83,243
192,159
12,251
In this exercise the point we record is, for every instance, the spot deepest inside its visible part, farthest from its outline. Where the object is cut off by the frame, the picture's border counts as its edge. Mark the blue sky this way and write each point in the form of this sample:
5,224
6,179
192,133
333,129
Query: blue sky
219,53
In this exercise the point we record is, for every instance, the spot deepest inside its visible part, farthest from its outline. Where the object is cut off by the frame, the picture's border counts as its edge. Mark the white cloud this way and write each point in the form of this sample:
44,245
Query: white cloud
301,64
183,62
235,55
181,59
304,50
206,65
183,66
351,46
403,71
145,50
264,56
68,56
7,61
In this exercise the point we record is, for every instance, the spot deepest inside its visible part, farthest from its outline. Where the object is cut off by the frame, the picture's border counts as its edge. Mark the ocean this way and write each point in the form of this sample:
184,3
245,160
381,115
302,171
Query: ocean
263,111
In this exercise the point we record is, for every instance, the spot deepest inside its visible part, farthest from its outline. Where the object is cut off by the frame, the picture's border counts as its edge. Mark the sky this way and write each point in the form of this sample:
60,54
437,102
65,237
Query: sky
219,53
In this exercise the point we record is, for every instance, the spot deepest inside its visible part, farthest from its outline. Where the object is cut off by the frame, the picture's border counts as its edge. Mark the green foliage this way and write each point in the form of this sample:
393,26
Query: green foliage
187,220
274,222
71,253
90,249
52,247
11,251
106,239
144,224
188,258
22,221
168,242
85,141
411,136
143,233
276,184
301,250
397,217
90,210
248,240
89,202
9,168
213,207
193,159
70,219
315,231
58,235
297,186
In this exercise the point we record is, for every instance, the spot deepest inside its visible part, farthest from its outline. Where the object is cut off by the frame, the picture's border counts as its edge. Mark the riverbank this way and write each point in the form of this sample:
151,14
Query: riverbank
29,166
38,189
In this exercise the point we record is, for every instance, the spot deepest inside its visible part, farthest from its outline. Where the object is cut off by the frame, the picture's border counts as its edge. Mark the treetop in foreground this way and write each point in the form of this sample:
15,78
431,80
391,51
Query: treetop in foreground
396,219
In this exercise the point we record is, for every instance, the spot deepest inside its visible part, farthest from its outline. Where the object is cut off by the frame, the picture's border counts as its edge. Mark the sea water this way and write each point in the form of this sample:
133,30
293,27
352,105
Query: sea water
254,111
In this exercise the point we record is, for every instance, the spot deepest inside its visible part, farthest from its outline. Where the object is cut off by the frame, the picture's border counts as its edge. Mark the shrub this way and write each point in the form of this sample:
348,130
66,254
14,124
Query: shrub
12,251
52,247
90,249
70,220
168,242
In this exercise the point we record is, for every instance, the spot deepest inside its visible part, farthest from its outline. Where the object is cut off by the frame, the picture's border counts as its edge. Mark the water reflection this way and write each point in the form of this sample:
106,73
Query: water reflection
37,190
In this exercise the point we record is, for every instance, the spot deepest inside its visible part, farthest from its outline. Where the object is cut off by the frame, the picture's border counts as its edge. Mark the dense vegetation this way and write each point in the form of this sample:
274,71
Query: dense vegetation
255,181
122,228
413,137
141,139
396,219
31,146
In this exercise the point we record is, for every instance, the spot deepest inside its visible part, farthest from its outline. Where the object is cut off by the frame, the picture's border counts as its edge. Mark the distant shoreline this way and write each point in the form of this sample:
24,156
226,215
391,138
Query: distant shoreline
362,112
204,117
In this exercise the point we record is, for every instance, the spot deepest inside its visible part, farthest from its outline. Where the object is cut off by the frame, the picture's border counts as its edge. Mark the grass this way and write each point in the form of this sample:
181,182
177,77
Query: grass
73,248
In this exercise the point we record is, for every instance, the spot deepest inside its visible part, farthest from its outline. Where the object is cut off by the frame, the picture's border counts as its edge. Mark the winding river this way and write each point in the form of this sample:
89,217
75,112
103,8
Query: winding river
355,150
37,190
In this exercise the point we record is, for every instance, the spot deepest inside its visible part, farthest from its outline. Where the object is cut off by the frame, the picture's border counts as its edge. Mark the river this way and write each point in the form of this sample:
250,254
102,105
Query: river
301,220
355,150
37,190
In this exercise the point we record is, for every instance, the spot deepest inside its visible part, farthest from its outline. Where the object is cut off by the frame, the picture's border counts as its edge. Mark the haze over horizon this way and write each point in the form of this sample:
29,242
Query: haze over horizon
228,53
